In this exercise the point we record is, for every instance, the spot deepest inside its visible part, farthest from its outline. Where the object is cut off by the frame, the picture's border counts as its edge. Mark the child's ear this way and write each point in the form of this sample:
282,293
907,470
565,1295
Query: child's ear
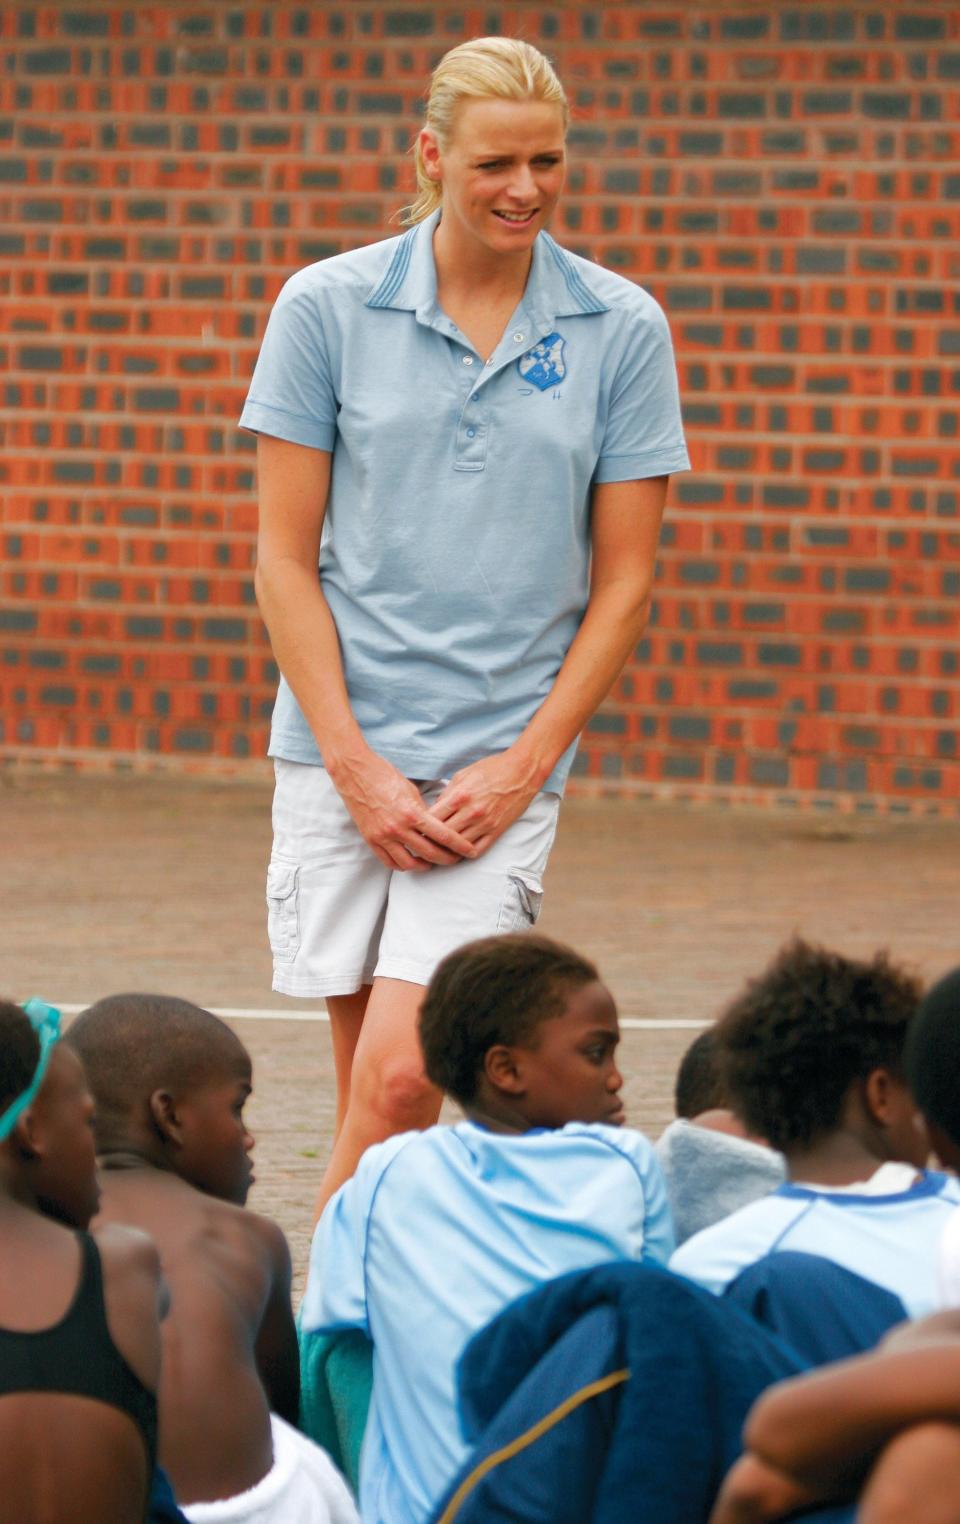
874,1094
882,1095
165,1116
500,1068
25,1136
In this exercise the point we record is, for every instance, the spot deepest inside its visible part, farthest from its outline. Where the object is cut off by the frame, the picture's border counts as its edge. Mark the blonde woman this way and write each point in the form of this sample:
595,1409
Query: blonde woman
470,431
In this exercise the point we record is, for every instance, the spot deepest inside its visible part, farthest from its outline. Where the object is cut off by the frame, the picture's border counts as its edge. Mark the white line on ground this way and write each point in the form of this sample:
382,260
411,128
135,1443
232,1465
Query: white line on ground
274,1013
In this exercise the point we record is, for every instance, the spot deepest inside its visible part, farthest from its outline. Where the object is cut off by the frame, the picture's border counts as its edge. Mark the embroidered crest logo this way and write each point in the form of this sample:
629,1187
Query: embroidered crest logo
544,365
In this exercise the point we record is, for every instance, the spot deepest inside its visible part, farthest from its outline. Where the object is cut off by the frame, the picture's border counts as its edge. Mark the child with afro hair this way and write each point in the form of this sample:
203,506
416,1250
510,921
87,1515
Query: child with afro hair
812,1054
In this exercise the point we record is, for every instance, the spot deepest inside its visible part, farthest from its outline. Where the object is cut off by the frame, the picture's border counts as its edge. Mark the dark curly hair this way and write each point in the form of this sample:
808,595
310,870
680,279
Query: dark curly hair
801,1034
496,990
699,1084
19,1052
932,1058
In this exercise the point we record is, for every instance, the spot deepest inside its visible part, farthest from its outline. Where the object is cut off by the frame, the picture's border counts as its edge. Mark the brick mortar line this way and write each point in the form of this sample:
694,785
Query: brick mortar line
752,637
761,280
269,156
83,302
689,513
12,49
721,201
943,243
809,555
829,520
711,517
710,434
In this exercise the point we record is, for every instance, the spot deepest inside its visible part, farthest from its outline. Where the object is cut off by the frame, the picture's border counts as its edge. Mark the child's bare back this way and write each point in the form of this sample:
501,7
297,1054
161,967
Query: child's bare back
170,1082
229,1345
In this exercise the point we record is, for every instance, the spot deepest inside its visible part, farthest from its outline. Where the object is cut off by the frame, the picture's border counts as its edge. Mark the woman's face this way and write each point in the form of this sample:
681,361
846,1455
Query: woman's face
501,172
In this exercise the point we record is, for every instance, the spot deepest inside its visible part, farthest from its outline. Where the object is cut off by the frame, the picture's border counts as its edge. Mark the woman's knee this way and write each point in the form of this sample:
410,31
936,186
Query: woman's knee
397,1092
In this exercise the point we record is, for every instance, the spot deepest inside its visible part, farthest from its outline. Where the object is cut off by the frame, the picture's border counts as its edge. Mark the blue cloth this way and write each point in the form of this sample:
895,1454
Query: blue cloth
890,1240
684,1367
336,1374
434,1235
162,1505
822,1310
456,547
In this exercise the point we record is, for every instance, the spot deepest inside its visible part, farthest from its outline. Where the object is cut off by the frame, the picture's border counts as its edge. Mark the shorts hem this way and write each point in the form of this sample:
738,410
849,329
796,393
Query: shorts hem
402,968
319,989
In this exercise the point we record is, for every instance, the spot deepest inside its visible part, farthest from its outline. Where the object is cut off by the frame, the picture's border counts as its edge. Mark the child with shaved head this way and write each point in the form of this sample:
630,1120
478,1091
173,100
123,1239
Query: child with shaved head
170,1082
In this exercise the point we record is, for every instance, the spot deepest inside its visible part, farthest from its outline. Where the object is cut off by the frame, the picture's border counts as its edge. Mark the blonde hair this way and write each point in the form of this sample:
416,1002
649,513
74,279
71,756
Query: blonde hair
485,68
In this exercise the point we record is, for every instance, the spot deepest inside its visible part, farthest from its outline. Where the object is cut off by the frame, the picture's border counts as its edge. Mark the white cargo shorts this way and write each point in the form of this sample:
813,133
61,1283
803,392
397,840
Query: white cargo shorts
338,917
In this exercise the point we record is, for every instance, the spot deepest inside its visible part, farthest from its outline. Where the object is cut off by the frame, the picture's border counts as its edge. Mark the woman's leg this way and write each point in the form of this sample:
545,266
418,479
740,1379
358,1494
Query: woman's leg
388,1090
346,1014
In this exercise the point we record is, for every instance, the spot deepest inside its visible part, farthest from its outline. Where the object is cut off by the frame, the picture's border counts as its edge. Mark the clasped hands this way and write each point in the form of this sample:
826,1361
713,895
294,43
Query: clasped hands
475,807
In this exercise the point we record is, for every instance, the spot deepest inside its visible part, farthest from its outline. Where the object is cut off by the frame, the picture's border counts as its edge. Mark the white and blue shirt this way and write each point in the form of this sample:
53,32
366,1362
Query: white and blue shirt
435,1234
456,546
892,1239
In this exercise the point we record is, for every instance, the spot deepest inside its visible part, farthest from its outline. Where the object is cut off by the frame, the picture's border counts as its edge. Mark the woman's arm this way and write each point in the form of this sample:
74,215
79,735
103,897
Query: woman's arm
387,808
483,799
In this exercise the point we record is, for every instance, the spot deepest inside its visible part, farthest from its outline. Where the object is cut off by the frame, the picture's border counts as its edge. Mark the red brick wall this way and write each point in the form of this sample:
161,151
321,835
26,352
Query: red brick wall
783,177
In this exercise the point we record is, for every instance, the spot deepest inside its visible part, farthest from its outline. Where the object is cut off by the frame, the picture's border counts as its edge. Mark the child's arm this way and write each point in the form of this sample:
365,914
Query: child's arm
813,1439
276,1351
825,1428
755,1493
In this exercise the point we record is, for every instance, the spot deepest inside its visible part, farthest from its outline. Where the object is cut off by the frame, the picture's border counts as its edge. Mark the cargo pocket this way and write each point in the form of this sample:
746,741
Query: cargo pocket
283,909
521,901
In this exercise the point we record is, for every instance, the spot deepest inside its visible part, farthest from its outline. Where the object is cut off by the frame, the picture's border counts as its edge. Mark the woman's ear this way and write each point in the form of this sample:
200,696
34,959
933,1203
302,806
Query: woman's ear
430,154
500,1068
165,1117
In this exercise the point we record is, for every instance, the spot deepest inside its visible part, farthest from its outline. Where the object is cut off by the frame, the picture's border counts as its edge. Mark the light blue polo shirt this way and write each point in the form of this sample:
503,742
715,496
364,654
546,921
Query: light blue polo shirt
433,1236
456,545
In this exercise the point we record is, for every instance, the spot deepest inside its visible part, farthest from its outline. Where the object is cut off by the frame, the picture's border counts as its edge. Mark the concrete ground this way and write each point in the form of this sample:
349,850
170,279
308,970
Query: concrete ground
115,882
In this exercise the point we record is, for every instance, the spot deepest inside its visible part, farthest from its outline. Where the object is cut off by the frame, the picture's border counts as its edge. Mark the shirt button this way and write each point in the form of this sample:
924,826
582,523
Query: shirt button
518,338
471,433
468,359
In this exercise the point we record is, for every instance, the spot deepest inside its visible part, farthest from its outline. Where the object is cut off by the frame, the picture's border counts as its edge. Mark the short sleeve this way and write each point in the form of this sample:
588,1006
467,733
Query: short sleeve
336,1294
658,1239
292,394
644,432
949,1263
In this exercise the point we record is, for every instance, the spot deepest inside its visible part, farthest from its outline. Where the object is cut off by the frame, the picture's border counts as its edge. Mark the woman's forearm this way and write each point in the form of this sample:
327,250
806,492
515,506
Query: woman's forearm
307,649
615,619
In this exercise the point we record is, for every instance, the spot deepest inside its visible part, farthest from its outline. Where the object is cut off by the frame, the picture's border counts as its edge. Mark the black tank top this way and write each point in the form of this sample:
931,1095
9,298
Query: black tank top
77,1356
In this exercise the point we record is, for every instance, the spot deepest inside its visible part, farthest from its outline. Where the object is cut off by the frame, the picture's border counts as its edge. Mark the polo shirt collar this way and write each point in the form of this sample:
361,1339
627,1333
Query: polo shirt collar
555,287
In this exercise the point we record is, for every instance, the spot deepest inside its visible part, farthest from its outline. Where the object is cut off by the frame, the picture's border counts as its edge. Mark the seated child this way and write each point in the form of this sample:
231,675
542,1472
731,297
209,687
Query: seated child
812,1052
170,1082
709,1164
439,1230
79,1328
883,1428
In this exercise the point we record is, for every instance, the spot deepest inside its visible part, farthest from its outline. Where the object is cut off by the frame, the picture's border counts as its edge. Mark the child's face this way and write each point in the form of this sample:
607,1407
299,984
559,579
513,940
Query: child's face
215,1145
65,1175
569,1074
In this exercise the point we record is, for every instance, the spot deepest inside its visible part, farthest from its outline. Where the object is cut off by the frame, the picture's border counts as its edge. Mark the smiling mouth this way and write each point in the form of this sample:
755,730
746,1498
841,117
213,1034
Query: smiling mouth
516,219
